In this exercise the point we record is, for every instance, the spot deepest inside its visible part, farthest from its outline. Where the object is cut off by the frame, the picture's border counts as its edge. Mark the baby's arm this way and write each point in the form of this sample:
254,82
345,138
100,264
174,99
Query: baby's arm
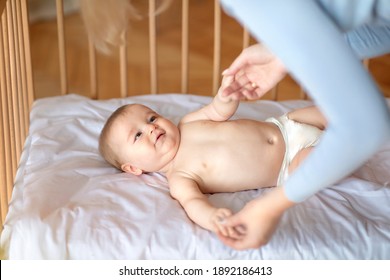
195,203
220,109
309,115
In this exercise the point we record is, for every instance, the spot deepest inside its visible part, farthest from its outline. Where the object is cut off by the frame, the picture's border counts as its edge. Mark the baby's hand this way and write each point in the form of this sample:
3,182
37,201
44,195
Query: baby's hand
227,80
219,218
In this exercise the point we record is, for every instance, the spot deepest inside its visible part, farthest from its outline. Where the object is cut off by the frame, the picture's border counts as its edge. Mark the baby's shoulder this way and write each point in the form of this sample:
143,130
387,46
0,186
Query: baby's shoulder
179,174
181,183
182,176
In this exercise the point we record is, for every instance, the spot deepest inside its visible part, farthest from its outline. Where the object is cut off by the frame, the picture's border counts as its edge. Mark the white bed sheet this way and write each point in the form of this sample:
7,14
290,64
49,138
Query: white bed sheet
69,204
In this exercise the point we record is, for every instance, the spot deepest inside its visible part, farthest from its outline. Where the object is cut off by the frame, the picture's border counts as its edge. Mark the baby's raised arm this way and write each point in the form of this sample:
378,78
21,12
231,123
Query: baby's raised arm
220,109
195,203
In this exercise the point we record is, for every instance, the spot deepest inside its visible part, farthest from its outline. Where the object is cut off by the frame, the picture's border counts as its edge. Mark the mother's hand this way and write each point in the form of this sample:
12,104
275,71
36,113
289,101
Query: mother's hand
257,221
255,71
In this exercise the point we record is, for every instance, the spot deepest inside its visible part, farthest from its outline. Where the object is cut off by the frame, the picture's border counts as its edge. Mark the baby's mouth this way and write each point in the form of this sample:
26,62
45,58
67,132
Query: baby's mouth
159,136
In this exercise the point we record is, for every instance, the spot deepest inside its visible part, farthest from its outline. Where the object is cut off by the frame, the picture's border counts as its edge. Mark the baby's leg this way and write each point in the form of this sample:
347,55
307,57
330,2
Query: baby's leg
377,168
299,158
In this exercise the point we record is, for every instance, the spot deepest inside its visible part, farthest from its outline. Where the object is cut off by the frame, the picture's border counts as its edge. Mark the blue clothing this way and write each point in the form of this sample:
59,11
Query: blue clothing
310,38
369,40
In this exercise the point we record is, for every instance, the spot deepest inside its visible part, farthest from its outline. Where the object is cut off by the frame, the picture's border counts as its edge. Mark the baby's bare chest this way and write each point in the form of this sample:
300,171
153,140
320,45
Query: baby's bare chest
229,155
211,140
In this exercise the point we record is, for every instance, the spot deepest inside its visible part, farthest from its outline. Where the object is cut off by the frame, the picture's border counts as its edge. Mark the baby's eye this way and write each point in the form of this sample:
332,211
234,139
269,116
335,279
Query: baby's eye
152,119
137,135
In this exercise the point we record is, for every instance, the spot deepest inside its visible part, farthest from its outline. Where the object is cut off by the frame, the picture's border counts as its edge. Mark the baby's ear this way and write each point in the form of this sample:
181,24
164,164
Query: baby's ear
128,168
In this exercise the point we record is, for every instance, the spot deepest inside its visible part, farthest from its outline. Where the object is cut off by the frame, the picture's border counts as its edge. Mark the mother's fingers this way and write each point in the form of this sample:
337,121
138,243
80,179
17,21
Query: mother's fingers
241,88
230,89
237,244
238,91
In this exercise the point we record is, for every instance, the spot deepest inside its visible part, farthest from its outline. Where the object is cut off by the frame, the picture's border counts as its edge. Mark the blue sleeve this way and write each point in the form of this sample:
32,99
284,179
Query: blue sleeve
315,52
369,40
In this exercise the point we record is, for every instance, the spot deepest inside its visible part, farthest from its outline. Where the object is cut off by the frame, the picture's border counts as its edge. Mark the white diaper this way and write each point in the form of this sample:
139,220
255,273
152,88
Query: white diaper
297,136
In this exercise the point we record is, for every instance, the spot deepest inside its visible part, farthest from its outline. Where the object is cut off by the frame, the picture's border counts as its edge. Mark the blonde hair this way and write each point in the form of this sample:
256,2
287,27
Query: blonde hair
107,20
105,149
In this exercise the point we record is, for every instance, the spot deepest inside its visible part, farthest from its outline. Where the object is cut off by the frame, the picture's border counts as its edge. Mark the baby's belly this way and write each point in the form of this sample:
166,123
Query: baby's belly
249,165
238,174
237,156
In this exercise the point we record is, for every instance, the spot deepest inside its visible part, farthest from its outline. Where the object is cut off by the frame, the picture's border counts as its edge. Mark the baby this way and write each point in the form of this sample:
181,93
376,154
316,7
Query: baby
208,153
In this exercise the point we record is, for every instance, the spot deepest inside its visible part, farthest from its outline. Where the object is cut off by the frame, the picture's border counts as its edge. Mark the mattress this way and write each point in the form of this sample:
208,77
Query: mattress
68,203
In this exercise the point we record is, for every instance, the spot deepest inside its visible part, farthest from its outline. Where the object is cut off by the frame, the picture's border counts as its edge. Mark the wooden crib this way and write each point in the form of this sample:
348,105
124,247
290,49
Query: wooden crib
17,89
17,92
16,71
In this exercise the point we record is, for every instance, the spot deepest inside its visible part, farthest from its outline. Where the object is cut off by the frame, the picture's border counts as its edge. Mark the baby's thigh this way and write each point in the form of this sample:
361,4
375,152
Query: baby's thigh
299,158
377,168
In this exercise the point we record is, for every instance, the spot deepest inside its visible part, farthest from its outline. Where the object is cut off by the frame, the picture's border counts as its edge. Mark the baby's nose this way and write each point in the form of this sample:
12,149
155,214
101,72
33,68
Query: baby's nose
152,127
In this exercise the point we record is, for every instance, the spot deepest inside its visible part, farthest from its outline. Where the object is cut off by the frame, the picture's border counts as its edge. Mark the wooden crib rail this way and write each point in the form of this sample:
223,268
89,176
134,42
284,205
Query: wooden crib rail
16,92
183,57
154,56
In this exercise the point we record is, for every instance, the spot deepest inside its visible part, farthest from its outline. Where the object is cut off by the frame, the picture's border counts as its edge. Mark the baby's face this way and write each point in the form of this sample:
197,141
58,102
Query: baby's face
145,139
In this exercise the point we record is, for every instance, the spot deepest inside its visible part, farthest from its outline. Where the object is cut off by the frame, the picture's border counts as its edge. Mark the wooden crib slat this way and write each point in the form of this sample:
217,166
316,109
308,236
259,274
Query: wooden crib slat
184,47
123,65
245,38
2,5
23,77
274,92
217,47
153,46
302,94
3,162
366,63
15,120
27,57
3,159
10,146
61,46
5,153
8,53
18,94
92,70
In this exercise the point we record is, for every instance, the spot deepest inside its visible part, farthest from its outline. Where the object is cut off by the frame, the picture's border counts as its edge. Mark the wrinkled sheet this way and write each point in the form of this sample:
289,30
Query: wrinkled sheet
68,203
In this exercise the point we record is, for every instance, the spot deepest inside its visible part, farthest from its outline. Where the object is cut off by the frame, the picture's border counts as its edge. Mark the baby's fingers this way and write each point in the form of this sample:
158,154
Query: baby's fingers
221,229
220,220
237,232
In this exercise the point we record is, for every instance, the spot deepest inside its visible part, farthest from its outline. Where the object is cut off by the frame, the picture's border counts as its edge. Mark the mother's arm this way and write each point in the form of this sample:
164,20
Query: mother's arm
314,51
